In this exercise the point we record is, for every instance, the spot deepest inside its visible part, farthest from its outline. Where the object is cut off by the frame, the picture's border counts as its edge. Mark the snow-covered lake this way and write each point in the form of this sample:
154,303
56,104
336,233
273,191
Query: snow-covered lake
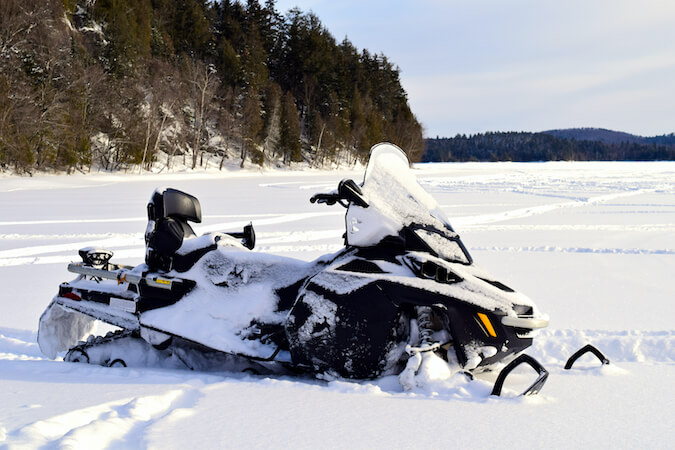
593,244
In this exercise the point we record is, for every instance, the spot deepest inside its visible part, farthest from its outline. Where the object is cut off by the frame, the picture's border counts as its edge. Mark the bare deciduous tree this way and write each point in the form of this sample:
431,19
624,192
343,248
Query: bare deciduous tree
201,80
228,120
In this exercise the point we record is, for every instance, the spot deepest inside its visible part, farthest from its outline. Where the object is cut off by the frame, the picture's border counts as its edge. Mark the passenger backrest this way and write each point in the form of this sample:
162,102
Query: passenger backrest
169,211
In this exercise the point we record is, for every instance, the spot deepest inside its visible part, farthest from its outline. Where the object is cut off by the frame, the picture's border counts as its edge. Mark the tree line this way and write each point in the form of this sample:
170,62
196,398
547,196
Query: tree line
521,146
116,83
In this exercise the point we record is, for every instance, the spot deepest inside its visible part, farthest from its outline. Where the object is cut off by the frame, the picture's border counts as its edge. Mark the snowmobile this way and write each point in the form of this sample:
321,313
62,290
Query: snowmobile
404,288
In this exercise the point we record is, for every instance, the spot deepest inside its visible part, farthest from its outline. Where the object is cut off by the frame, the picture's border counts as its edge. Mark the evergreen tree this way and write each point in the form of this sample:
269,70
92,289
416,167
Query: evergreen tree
289,134
127,27
272,118
251,127
110,85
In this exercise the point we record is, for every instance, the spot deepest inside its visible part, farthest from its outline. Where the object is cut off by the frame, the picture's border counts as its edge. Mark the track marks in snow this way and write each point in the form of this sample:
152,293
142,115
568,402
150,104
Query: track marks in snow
541,209
653,227
72,221
59,259
40,254
60,237
18,345
278,219
120,422
556,249
119,241
132,421
299,185
555,346
122,219
131,245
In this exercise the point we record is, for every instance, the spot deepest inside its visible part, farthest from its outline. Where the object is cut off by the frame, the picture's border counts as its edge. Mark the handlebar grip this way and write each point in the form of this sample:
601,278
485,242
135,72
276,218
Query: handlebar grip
329,199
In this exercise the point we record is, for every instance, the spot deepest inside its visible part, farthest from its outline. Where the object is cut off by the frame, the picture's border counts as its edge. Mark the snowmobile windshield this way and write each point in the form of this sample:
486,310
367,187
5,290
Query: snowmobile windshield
397,201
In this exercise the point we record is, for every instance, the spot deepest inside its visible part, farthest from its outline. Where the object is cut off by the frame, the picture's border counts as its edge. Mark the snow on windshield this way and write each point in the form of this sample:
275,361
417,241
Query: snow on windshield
396,200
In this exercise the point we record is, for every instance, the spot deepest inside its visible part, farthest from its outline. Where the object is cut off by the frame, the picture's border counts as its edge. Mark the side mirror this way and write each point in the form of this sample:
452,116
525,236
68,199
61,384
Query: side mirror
247,236
350,191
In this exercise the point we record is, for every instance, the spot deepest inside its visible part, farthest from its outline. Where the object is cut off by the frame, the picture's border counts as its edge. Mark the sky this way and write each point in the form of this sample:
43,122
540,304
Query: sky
472,66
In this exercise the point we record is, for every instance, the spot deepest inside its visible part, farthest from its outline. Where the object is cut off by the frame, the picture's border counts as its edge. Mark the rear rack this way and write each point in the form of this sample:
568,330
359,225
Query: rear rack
126,276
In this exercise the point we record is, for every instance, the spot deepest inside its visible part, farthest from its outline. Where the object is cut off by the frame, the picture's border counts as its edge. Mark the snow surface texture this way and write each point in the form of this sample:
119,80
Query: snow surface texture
593,244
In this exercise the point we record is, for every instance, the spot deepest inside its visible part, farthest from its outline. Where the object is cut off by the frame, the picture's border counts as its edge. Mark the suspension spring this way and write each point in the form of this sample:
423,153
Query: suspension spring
424,324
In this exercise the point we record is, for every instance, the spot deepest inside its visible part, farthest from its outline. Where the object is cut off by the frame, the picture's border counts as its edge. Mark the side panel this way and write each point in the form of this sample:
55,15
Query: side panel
354,335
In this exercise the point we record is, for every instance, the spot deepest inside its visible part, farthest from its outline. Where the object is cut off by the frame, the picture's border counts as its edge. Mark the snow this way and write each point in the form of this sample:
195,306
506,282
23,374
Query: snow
593,244
60,329
231,292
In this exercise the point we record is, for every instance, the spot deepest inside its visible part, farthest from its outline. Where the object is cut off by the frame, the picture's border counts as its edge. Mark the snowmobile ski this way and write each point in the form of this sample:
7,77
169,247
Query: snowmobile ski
588,348
534,388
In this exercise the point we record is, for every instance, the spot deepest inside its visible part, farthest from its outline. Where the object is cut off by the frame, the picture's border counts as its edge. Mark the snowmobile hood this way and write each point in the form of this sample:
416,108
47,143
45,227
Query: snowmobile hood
399,206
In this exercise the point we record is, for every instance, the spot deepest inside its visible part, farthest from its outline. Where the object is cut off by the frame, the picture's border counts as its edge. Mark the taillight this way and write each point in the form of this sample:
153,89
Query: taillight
72,296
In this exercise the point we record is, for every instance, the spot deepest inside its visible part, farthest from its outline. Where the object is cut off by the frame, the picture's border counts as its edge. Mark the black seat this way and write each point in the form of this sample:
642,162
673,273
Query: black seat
169,212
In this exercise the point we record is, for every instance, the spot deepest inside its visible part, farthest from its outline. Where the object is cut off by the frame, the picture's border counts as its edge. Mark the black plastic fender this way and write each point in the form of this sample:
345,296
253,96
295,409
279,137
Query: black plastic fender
348,334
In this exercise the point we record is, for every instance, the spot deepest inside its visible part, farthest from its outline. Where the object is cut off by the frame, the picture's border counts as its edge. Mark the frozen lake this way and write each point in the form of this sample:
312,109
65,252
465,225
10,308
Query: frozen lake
593,244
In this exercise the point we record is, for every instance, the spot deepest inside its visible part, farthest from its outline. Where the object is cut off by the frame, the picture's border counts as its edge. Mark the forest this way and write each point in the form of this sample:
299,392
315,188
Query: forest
114,84
557,145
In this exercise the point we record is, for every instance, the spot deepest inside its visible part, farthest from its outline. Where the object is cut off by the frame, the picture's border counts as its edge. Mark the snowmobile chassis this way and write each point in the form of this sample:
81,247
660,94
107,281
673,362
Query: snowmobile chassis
403,288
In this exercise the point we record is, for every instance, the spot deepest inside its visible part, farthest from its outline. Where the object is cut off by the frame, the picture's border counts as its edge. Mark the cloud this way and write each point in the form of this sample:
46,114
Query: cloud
632,94
521,64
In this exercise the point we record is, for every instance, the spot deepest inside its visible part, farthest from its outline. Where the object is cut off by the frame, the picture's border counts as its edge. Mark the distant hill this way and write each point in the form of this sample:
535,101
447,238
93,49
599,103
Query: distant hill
666,139
597,134
610,136
582,144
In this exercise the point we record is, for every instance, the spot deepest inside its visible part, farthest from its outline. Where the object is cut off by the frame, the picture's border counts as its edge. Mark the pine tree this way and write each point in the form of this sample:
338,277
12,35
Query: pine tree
272,118
289,134
128,31
251,125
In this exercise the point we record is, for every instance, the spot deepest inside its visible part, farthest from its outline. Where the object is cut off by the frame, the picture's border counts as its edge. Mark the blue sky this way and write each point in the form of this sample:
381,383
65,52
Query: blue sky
520,65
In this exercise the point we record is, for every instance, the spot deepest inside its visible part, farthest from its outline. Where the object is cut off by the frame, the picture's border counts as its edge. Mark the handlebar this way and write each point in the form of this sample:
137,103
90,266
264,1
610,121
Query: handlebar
347,192
329,199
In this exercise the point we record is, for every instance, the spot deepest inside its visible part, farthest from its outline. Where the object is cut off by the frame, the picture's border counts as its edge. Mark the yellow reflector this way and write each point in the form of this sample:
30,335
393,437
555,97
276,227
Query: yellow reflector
160,281
488,326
